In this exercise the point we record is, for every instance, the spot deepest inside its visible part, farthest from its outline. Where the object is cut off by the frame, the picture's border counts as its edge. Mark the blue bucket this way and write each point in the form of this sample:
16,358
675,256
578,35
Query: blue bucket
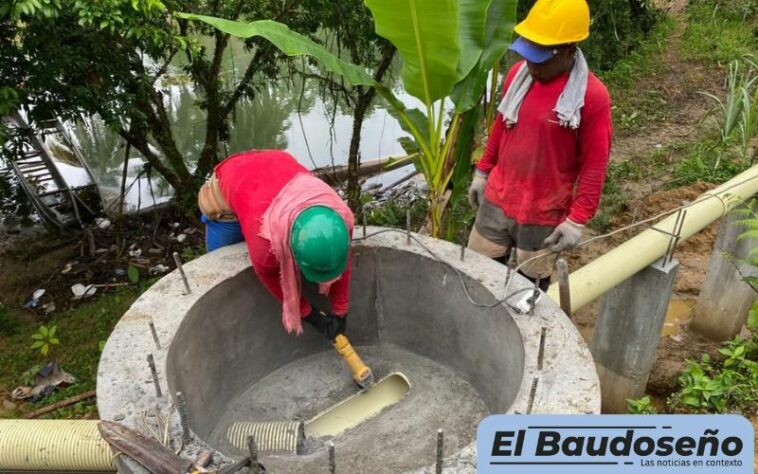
220,234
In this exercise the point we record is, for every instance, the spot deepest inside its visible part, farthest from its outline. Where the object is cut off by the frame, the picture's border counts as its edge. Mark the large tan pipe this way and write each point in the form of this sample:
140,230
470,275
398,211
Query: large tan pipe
53,445
599,276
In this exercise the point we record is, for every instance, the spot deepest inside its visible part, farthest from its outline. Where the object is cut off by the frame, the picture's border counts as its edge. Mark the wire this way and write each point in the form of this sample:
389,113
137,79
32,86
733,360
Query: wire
547,253
458,273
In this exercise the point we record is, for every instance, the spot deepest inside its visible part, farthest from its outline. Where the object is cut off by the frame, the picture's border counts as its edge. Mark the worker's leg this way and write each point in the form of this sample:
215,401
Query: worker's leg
537,261
490,236
221,233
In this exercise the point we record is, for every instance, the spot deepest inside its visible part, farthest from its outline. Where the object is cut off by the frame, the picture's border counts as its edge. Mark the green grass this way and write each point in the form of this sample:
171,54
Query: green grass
80,330
720,30
392,212
639,168
634,109
708,163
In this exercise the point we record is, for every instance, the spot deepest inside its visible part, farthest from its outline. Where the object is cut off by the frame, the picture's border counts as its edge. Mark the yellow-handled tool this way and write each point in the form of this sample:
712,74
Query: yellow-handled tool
361,373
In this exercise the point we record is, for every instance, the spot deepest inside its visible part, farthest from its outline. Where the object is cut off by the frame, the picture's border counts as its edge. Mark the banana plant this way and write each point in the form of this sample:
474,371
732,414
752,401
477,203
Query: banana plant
447,48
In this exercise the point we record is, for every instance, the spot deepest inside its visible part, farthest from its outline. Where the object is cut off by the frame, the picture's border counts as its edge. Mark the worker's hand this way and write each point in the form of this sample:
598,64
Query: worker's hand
565,237
476,190
329,325
338,326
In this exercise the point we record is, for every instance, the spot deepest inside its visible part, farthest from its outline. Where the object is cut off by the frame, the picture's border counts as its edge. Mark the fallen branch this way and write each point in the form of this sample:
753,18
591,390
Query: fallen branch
61,404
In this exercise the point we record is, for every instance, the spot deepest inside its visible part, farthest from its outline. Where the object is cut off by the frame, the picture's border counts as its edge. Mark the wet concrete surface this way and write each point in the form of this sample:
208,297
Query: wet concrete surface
400,438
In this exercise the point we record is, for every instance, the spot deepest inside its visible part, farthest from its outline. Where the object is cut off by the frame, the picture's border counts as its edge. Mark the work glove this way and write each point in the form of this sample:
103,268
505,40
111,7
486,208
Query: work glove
476,190
565,237
329,325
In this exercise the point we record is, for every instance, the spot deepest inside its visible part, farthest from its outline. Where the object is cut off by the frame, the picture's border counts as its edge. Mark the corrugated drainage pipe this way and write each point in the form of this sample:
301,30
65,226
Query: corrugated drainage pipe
54,445
602,274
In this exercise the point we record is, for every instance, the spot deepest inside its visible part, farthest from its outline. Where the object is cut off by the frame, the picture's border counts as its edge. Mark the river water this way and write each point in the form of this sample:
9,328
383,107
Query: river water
286,114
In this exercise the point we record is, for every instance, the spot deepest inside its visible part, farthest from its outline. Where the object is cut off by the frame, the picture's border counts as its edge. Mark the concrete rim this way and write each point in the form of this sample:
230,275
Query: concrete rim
559,373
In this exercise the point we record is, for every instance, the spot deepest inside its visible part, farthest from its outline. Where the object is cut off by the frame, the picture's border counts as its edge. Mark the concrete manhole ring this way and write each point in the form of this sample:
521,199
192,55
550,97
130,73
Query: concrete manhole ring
224,348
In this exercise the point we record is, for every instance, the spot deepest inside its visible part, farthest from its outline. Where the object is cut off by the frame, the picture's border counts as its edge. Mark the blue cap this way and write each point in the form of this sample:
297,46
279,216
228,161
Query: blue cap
532,52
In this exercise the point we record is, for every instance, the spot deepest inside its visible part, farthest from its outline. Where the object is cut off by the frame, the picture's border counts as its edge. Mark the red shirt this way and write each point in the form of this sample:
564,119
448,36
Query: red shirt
249,182
541,173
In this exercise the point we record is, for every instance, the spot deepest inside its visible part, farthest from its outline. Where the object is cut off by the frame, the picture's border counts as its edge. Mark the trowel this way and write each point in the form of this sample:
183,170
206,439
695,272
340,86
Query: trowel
286,436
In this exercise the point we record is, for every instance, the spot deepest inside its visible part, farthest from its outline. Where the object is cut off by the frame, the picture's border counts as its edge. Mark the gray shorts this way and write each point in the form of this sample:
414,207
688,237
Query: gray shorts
495,234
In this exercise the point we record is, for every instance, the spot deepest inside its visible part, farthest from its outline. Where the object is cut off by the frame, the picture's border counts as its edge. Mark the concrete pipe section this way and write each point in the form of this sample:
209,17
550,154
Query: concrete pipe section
223,346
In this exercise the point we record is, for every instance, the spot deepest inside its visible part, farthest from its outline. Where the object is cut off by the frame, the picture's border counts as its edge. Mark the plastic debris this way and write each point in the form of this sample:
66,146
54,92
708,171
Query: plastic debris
119,272
526,303
82,291
48,307
34,300
102,224
174,225
67,267
158,269
181,238
135,253
46,380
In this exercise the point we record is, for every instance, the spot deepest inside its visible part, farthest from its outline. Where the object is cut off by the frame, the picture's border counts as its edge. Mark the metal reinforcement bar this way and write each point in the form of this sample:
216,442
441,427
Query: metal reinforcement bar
597,277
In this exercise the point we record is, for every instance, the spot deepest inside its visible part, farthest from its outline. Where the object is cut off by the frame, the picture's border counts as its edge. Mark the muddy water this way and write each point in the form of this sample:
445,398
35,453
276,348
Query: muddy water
680,312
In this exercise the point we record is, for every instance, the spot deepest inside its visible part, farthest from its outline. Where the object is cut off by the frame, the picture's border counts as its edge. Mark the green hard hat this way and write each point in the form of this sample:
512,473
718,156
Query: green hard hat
320,243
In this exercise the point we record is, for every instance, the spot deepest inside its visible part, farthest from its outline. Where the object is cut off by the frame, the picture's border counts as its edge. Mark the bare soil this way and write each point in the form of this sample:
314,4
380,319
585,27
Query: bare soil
685,109
35,259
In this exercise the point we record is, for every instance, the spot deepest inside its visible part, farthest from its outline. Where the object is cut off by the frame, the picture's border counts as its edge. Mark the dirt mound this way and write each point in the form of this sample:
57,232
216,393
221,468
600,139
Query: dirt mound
693,254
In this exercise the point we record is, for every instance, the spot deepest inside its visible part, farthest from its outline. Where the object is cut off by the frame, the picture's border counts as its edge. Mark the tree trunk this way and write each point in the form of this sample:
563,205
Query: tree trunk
362,105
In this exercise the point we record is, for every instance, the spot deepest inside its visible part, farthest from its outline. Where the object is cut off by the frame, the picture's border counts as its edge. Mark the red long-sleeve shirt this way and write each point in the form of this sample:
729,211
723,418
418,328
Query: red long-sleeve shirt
541,173
249,182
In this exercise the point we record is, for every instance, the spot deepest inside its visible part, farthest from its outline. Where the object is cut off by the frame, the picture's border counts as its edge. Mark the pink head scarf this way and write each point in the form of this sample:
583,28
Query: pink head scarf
303,191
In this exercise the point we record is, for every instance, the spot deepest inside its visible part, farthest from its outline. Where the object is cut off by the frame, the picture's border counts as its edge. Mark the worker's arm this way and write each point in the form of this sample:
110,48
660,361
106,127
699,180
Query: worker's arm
595,135
339,293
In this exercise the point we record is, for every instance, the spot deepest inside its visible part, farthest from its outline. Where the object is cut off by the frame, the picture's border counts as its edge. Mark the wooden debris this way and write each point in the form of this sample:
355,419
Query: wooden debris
148,452
60,404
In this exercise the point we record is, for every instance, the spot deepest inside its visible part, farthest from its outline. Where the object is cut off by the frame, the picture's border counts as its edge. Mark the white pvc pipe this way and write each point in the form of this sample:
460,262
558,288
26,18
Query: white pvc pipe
602,274
53,445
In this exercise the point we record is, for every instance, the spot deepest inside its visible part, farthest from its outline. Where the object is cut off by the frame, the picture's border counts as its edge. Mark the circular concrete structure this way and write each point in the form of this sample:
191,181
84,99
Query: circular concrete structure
224,347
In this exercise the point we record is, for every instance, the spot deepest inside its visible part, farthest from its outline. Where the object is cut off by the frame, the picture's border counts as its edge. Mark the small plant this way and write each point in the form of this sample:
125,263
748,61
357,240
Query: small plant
133,274
641,406
703,388
718,386
44,339
738,113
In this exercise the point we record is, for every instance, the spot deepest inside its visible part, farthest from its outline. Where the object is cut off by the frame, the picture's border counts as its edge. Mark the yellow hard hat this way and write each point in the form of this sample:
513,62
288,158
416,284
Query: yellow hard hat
554,22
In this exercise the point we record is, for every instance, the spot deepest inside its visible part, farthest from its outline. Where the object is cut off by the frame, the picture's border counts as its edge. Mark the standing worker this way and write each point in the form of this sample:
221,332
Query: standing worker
541,175
293,224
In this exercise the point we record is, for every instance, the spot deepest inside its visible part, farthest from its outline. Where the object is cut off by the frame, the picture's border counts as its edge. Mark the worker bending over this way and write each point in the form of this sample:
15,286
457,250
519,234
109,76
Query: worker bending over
293,224
541,175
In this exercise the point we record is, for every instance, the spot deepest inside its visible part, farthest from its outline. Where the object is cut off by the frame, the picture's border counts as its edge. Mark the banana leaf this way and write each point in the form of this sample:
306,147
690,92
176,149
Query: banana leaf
501,18
290,43
425,33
